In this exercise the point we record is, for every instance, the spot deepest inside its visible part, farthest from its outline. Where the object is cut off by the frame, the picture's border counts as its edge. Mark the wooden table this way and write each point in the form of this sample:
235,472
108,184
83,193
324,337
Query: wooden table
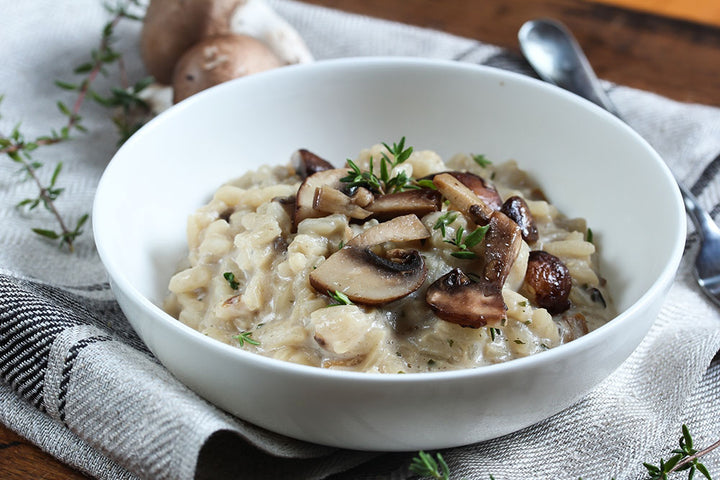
673,57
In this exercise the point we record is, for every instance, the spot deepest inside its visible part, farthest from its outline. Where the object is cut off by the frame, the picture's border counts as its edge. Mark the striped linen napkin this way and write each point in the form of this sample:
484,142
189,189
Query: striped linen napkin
78,382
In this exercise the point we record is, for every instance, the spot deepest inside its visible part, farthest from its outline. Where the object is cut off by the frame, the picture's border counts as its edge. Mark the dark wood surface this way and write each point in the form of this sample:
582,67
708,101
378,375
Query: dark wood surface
672,57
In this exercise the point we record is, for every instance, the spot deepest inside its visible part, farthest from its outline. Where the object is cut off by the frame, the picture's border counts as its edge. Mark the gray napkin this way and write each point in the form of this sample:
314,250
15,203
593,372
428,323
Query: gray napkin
78,382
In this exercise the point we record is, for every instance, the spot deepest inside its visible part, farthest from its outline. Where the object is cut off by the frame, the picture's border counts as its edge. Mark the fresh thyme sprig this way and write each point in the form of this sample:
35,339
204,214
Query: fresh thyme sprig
384,183
444,220
246,337
427,466
18,148
684,458
463,242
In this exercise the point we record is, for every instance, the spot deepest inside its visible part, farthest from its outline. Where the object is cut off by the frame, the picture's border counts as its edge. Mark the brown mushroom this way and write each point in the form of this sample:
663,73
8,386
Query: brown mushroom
218,59
572,327
547,282
457,298
419,202
367,277
331,200
501,247
517,209
307,163
480,187
305,198
463,198
171,27
501,244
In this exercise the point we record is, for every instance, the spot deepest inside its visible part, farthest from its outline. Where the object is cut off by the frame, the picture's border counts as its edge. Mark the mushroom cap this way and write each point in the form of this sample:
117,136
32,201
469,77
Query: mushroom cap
517,209
372,279
547,282
456,298
218,59
171,27
368,278
307,163
305,198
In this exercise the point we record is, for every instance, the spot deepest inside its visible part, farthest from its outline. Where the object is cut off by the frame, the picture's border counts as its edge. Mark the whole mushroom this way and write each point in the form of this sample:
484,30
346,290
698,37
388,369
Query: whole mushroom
173,27
218,59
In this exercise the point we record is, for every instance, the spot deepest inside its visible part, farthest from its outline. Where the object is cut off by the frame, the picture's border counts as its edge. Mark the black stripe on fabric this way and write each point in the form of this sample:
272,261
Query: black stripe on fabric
715,211
707,176
67,369
465,53
28,327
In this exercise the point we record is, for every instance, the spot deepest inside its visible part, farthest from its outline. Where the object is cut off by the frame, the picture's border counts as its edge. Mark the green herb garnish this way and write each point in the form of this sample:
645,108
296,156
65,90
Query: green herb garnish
481,160
383,183
464,244
427,466
339,298
589,235
230,277
245,337
444,220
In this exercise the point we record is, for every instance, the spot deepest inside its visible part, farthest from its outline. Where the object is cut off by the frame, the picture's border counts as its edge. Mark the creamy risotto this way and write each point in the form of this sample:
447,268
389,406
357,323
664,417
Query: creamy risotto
398,262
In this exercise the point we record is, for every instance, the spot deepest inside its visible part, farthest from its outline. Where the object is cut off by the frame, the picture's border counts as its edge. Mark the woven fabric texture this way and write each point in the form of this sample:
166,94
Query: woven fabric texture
78,382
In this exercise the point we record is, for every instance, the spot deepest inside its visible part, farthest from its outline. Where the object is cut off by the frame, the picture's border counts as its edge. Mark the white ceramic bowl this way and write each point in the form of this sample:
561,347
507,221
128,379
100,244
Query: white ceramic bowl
589,163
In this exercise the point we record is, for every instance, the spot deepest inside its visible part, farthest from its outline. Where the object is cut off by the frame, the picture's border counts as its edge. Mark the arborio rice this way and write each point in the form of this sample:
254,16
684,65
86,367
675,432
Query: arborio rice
335,268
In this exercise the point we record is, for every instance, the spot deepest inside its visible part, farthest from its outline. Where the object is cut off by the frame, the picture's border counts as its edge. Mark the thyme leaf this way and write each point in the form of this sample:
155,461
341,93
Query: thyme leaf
246,337
232,281
339,298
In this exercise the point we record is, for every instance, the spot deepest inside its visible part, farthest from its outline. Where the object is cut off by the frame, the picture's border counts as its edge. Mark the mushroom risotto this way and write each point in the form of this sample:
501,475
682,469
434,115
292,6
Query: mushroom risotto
396,263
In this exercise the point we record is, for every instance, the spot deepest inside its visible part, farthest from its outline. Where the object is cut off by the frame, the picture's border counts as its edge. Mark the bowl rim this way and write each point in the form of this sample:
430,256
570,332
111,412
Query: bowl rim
120,281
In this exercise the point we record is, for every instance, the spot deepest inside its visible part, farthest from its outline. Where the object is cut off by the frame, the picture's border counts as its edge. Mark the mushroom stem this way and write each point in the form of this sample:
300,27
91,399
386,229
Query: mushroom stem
257,19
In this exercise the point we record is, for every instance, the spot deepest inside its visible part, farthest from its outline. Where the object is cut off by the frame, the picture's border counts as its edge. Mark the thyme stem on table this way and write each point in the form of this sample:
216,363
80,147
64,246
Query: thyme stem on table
18,148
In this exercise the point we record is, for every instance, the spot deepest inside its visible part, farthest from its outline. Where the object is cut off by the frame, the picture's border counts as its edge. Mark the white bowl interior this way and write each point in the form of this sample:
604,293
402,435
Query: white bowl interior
589,164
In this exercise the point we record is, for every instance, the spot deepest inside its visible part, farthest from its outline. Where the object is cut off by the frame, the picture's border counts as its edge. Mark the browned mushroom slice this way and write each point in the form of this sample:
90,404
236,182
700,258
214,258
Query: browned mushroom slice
572,327
456,298
399,229
331,200
517,209
306,193
419,202
463,198
307,163
501,245
547,282
480,187
372,279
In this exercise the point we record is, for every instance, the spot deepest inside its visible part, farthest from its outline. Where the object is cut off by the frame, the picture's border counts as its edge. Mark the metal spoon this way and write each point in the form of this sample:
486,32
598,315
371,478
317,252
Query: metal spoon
558,59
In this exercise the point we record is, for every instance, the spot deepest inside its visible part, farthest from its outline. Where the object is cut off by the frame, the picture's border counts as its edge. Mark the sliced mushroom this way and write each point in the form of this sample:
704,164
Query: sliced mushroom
547,282
307,163
419,202
331,200
572,327
369,278
463,198
501,245
517,209
503,240
306,193
399,229
480,187
456,298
